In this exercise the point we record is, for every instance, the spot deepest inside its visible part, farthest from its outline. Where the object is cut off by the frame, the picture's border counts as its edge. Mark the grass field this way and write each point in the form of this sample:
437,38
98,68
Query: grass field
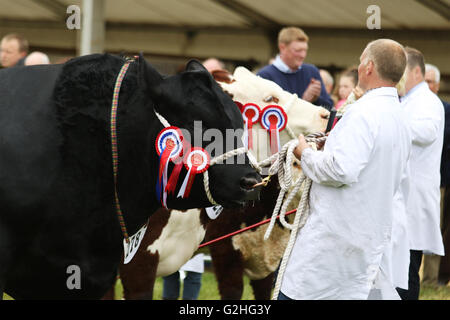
209,290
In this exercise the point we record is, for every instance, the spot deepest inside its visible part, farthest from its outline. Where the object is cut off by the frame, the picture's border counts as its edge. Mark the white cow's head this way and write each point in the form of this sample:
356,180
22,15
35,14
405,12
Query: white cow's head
246,87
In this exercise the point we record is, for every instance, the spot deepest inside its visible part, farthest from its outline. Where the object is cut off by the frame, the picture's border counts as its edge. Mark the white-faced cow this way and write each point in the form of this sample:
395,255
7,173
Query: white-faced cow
247,253
174,238
58,214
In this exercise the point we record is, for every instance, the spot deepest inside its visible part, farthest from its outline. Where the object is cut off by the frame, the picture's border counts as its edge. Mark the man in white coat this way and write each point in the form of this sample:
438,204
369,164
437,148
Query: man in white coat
338,253
426,117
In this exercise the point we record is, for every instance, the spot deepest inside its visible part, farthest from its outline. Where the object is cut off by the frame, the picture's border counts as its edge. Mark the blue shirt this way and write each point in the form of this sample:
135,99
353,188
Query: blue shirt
296,81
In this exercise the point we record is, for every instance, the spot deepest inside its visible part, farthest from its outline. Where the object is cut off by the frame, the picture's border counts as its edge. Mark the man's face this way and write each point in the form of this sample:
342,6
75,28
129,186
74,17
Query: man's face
294,53
10,53
430,78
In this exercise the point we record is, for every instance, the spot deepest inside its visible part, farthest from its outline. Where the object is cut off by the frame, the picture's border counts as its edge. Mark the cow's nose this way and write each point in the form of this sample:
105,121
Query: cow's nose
247,183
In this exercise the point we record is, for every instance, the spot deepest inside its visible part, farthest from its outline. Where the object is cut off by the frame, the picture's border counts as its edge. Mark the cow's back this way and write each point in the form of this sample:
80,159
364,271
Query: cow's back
29,136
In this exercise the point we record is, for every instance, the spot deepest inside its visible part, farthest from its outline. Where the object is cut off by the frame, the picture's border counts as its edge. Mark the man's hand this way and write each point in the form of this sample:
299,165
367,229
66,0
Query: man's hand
302,145
312,92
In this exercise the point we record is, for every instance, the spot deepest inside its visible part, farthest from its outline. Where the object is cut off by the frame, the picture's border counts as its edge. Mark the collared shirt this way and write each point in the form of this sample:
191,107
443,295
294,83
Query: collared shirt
338,253
296,81
412,90
283,67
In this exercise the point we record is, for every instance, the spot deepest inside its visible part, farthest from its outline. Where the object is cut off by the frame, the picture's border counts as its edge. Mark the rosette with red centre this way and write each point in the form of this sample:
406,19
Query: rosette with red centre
196,161
274,120
250,113
169,147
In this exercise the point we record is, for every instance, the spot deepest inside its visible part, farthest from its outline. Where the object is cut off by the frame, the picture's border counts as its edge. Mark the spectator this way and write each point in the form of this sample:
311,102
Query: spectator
13,50
193,270
36,58
291,73
426,118
337,254
327,80
347,82
212,64
436,270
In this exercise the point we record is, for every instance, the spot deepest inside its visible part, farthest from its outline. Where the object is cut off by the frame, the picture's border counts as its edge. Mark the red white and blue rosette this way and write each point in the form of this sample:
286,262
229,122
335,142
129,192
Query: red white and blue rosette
251,114
274,120
169,147
196,161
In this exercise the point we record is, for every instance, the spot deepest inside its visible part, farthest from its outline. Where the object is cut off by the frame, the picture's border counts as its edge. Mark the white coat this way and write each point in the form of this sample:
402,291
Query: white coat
337,254
396,258
426,117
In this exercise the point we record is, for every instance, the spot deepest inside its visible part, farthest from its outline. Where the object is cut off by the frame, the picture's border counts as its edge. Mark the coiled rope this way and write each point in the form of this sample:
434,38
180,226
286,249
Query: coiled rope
283,167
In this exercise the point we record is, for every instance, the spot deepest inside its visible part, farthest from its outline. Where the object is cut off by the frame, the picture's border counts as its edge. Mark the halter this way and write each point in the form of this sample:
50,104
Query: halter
165,123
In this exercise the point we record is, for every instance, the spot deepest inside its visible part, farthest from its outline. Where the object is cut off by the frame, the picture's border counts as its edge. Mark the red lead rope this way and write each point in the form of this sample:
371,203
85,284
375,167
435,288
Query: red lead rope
242,230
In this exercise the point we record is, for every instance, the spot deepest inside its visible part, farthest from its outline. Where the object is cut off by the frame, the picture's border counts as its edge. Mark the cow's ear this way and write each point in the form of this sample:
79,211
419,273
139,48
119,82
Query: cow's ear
151,76
195,65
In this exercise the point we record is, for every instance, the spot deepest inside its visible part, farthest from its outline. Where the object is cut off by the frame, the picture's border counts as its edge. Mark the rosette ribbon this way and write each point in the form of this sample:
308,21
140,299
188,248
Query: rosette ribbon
250,114
196,161
274,120
169,147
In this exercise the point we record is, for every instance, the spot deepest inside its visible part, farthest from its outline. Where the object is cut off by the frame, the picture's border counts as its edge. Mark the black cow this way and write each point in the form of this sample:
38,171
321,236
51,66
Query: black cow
56,181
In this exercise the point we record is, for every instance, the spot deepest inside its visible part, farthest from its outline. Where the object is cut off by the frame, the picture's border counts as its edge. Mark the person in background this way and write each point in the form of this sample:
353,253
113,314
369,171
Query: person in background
13,50
36,58
291,73
347,82
328,82
212,64
426,120
192,280
436,269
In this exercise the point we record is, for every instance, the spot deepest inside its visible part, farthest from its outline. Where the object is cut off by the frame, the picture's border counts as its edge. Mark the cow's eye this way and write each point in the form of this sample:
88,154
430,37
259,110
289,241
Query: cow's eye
271,99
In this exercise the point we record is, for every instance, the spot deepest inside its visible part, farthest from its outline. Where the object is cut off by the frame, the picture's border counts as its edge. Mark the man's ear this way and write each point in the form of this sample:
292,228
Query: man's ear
281,46
418,73
151,76
370,67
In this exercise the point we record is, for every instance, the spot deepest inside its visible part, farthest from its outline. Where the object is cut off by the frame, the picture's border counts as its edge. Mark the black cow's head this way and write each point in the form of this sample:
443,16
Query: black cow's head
193,96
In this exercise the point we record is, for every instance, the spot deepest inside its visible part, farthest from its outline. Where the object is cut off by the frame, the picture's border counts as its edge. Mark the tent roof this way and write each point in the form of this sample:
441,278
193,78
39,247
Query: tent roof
396,14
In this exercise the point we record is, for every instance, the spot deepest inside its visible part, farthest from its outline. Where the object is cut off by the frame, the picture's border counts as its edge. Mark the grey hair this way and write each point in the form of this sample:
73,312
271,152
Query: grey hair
437,74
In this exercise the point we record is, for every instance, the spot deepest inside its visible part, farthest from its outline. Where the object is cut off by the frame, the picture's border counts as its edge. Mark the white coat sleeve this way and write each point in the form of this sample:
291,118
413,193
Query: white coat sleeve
424,125
341,163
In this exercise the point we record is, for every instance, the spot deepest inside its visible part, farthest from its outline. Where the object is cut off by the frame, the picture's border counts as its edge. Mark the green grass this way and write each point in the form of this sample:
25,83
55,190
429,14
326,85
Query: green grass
209,290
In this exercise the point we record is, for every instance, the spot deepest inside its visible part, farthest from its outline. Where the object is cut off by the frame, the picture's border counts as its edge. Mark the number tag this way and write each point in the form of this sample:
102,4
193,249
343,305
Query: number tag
131,247
213,212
